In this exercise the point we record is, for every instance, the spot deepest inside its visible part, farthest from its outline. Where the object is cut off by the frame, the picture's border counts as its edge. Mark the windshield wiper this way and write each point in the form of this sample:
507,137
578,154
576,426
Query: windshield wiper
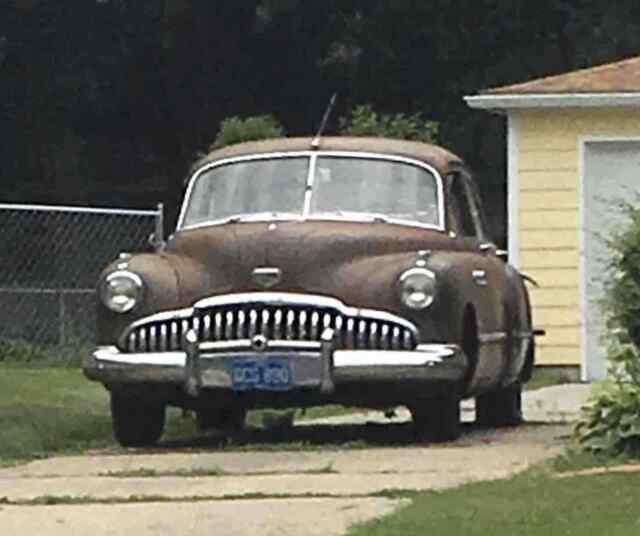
375,217
261,216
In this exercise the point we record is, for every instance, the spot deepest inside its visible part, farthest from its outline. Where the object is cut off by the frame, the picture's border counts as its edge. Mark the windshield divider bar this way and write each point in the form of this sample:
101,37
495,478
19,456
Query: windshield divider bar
306,210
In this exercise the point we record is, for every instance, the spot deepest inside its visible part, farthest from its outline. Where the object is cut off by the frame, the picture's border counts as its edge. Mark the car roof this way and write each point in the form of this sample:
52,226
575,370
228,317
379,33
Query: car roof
441,159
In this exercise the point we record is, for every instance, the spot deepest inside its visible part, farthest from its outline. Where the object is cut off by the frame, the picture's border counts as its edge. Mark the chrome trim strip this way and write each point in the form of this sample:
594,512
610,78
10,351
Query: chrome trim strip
313,155
244,345
430,354
492,338
523,334
425,355
311,177
163,359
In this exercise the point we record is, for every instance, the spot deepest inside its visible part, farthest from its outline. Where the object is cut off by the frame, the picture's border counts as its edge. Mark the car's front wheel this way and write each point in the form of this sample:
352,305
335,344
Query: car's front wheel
500,408
136,422
437,419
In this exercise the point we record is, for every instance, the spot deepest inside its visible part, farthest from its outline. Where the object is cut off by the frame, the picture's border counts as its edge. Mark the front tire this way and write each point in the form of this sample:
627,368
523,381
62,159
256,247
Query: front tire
500,408
136,422
437,419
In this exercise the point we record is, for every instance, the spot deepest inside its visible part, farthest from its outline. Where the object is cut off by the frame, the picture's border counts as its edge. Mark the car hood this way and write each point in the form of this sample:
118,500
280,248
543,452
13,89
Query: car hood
346,260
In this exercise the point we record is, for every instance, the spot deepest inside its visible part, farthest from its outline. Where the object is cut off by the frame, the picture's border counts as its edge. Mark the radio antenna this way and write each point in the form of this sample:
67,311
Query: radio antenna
315,143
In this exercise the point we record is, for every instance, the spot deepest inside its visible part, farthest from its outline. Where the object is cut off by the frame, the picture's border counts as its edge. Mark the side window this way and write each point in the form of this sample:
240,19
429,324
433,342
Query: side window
460,215
476,207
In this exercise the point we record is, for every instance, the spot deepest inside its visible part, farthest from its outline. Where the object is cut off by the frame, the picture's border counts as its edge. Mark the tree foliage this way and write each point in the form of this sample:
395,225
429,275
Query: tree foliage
610,423
364,121
235,129
107,101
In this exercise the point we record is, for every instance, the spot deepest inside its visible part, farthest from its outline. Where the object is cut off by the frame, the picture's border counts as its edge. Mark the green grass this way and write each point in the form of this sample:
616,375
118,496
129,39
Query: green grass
530,504
51,410
47,410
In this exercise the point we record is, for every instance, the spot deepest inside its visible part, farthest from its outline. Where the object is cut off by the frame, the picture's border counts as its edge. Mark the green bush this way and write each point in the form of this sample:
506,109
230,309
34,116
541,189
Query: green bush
610,423
235,130
364,121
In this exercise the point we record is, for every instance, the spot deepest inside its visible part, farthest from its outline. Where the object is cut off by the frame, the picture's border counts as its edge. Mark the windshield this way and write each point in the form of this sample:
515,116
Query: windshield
338,186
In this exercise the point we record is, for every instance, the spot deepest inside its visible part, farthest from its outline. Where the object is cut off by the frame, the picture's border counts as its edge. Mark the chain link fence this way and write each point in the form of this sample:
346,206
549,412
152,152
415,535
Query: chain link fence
50,259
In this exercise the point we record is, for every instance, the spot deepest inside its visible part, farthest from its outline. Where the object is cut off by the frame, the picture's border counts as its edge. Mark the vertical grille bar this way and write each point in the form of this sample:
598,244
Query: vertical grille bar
315,325
217,327
351,333
395,338
253,323
153,339
142,335
277,324
228,327
362,334
164,338
175,341
132,342
206,327
291,318
302,325
384,337
240,325
264,328
407,340
373,335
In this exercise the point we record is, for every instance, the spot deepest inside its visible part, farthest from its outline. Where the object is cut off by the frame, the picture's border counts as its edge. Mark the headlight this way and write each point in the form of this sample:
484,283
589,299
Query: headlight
417,288
121,291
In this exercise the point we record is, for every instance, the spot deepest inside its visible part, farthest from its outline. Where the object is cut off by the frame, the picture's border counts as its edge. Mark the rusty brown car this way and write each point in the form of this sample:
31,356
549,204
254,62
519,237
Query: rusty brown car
348,270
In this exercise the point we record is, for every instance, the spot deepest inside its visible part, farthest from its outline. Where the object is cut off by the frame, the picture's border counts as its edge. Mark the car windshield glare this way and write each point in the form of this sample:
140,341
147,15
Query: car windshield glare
340,186
246,189
385,189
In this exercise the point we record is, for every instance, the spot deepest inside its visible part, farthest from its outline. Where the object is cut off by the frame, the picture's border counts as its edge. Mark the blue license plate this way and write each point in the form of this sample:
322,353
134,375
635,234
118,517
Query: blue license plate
268,374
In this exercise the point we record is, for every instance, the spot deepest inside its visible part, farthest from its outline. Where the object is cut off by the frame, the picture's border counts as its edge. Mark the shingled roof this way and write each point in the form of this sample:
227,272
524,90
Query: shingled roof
621,76
612,84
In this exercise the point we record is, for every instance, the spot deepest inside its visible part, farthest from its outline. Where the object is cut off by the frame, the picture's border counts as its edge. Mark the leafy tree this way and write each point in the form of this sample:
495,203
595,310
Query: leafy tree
364,121
235,129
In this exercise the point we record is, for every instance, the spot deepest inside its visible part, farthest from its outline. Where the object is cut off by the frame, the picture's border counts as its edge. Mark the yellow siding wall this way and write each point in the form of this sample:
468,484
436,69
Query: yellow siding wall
548,228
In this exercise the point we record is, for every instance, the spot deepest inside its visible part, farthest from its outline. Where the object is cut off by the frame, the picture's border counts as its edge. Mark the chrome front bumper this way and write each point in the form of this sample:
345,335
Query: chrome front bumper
315,365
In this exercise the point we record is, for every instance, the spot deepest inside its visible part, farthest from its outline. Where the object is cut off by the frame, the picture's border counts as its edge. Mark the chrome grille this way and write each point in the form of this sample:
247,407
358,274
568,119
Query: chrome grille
354,328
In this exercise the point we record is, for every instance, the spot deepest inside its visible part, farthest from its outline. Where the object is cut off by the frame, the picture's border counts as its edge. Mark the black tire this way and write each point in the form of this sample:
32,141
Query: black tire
230,418
136,422
500,408
437,419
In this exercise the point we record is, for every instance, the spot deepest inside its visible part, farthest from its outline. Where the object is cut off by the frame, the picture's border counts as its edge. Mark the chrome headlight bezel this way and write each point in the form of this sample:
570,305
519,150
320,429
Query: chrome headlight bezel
121,291
417,288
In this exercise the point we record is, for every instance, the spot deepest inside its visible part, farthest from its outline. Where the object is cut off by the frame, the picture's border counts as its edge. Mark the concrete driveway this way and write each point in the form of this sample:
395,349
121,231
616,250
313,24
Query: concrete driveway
195,488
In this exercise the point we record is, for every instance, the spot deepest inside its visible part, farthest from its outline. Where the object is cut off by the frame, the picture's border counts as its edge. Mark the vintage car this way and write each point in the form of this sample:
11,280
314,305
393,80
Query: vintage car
346,270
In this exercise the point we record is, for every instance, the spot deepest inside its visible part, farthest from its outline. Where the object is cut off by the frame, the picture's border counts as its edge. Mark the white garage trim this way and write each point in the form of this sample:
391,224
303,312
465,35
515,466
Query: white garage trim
582,268
509,101
513,189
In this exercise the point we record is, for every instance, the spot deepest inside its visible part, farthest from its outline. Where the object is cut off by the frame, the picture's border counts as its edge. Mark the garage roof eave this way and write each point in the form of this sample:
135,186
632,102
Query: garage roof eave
504,102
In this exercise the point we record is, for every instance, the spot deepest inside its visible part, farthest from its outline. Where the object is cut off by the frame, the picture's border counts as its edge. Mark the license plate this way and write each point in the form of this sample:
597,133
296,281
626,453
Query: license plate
269,374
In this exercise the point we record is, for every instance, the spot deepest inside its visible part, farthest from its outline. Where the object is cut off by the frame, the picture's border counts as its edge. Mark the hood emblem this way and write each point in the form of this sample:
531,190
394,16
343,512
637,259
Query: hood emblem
266,276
